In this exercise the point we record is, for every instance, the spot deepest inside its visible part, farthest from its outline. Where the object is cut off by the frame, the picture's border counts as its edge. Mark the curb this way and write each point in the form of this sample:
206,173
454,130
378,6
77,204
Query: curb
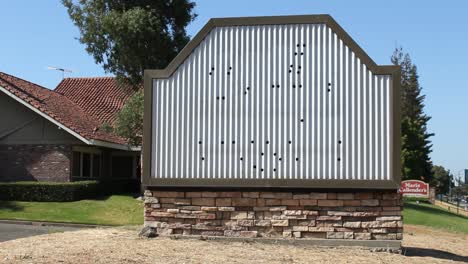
393,246
45,223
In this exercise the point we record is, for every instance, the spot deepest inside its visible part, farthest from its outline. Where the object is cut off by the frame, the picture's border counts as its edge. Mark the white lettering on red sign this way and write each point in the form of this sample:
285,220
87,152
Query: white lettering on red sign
414,188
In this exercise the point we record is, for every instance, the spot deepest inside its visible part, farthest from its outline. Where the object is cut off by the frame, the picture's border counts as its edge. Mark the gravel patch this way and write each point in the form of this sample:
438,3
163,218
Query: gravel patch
122,245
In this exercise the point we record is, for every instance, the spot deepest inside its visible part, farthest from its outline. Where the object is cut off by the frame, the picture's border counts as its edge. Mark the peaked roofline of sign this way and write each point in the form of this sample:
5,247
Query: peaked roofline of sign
270,20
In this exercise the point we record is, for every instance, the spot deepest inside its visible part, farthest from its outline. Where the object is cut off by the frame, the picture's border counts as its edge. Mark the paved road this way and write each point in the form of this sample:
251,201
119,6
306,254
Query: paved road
14,231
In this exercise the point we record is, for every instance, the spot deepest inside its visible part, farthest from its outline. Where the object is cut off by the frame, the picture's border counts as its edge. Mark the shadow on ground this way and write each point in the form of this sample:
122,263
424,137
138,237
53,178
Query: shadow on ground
433,253
12,206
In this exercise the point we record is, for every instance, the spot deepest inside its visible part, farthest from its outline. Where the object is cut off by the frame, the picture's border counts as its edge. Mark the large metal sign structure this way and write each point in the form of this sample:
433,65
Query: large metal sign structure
272,102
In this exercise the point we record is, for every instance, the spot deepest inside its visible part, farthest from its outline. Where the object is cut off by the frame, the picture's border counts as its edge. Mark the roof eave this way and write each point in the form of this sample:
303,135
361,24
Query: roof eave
92,142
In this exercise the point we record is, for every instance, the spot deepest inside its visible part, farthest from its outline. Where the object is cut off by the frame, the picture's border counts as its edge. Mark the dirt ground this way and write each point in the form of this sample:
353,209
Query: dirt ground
122,245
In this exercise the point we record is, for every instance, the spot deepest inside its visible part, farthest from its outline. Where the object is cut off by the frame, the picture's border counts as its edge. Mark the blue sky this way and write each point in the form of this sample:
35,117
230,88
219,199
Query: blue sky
37,34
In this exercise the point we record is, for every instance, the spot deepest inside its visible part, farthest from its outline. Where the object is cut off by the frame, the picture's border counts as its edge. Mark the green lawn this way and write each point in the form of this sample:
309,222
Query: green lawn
433,216
111,210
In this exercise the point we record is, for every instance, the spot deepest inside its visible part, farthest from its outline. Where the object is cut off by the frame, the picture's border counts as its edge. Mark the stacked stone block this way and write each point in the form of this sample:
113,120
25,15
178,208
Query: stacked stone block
373,215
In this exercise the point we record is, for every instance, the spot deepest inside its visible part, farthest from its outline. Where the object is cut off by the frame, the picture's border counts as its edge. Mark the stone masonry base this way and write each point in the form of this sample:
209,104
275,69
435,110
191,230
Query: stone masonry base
369,215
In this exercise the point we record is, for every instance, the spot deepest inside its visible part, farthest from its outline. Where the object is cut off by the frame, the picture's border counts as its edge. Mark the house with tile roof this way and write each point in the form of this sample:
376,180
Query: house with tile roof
58,135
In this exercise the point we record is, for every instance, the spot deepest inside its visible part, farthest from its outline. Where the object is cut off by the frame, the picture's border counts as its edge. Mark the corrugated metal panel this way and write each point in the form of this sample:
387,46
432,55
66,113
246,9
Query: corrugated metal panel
272,102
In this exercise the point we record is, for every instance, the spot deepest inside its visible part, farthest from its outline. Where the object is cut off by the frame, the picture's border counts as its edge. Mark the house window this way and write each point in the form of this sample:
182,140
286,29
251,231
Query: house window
86,164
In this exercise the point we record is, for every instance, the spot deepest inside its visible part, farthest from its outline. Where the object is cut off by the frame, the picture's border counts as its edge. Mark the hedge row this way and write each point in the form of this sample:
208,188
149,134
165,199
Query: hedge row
48,191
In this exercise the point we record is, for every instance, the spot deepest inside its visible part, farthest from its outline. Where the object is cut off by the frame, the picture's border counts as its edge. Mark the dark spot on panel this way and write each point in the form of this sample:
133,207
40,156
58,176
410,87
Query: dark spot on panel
202,158
261,169
222,142
274,154
241,159
199,142
302,120
252,141
262,154
297,159
290,142
233,142
277,86
224,98
254,166
339,159
267,142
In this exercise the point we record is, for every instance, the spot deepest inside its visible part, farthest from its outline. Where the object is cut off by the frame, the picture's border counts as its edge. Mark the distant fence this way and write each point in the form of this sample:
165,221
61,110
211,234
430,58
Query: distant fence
452,208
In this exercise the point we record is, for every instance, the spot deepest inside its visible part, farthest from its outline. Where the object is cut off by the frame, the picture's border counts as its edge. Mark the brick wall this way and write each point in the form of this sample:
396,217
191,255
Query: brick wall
352,215
35,163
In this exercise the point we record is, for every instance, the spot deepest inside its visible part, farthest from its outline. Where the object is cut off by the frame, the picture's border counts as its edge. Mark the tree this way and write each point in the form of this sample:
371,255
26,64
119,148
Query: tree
416,145
127,37
442,179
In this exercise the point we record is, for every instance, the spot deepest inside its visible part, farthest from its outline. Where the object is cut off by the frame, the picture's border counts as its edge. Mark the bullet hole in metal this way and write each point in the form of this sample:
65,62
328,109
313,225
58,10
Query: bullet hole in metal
262,154
300,85
302,120
279,159
254,166
291,66
303,45
290,71
298,45
302,53
277,86
267,142
329,84
202,158
290,142
299,67
212,68
252,141
223,97
199,142
295,53
261,169
217,97
233,142
339,141
329,89
272,86
298,72
297,159
245,92
210,73
222,142
274,154
294,86
230,68
228,73
274,169
339,159
241,159
248,87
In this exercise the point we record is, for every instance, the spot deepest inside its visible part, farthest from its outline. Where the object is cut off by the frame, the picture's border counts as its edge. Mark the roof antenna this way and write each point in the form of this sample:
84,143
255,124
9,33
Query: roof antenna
60,69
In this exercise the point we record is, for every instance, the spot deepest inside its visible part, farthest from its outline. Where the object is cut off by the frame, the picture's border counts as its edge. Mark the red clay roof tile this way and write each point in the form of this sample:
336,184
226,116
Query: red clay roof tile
83,116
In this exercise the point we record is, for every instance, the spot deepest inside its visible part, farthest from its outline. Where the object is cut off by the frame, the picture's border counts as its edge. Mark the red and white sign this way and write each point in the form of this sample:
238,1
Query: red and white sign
414,188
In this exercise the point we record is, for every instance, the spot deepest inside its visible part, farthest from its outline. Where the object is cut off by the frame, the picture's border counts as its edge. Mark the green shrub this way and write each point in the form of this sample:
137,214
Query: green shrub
48,191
